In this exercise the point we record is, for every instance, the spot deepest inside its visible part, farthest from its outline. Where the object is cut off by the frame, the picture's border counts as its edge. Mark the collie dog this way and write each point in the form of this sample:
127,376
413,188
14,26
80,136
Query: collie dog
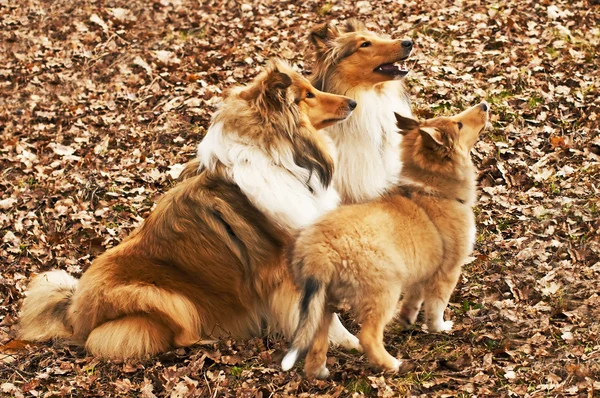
358,63
412,241
210,259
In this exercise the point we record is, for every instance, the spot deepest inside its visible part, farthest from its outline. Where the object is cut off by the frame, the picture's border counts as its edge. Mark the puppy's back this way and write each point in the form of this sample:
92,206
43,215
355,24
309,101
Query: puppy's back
387,238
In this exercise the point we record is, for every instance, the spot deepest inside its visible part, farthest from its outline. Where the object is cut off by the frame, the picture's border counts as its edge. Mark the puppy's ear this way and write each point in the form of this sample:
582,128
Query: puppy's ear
432,138
405,124
320,36
353,25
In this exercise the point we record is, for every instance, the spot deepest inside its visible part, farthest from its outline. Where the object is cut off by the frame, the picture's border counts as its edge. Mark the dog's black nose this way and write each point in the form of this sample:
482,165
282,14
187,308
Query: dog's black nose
407,43
484,106
352,104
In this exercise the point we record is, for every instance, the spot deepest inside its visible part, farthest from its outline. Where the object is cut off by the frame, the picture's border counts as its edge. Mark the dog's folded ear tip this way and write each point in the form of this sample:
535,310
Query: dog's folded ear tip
285,80
321,33
320,29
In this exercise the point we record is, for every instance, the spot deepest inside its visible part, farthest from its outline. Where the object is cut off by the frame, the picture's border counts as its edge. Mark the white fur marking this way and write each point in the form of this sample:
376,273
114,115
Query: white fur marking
368,144
289,360
339,335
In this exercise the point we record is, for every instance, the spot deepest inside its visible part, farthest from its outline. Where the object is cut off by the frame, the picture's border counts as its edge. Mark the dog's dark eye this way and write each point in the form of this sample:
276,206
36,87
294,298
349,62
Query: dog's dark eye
310,95
459,124
366,44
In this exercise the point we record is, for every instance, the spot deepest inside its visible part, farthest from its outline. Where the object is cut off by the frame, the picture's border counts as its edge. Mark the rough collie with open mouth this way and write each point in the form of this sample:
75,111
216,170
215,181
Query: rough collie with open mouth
210,259
412,241
361,64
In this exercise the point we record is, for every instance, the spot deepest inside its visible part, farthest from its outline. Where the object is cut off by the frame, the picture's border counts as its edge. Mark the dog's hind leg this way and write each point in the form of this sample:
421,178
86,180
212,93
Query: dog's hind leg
315,364
132,336
411,304
374,316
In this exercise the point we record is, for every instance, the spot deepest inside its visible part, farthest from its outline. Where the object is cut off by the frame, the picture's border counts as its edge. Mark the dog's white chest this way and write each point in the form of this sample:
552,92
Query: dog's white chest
368,146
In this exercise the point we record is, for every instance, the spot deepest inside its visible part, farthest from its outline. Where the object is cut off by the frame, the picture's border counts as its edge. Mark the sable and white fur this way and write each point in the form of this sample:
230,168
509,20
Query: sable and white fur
210,259
412,241
368,160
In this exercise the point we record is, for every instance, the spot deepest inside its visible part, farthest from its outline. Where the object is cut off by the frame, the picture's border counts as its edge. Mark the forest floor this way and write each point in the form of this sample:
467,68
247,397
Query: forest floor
102,102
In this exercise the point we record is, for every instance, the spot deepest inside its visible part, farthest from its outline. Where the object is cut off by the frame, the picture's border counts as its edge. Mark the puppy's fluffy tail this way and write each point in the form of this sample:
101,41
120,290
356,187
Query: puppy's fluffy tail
44,311
314,282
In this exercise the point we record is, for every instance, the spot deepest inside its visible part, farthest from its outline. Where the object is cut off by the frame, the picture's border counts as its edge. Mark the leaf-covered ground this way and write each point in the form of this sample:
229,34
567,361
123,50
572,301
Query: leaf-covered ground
102,102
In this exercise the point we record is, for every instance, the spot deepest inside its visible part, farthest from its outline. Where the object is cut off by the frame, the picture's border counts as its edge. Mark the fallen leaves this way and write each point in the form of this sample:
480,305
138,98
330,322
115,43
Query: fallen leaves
103,106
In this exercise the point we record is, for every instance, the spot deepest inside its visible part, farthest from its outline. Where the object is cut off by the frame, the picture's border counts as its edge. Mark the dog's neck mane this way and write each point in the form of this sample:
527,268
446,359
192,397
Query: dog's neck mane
408,189
368,160
286,175
461,189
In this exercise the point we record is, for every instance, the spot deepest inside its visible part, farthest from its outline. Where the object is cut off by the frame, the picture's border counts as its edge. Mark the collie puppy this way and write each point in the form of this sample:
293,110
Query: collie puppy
413,240
210,259
361,64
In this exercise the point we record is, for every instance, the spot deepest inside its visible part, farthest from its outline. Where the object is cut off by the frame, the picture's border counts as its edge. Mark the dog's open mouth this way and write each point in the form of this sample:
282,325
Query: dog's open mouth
334,120
395,69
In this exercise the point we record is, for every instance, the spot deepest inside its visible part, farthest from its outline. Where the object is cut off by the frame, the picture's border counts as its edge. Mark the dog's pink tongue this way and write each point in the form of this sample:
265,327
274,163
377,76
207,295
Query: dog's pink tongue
388,68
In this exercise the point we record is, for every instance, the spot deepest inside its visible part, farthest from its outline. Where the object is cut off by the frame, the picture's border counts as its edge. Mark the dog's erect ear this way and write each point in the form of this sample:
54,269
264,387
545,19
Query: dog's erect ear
353,25
432,138
405,124
277,81
320,36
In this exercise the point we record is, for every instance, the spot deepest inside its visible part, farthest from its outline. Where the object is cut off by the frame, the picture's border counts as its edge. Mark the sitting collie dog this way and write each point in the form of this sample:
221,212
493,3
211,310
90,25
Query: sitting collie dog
411,241
210,259
358,63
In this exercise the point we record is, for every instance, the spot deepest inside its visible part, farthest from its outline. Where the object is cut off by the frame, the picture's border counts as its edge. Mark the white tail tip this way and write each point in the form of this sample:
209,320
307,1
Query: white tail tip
289,360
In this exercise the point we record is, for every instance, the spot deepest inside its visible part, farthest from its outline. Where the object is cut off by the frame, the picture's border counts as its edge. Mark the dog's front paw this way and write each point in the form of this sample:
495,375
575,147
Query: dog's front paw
446,326
351,343
319,372
393,365
443,326
323,373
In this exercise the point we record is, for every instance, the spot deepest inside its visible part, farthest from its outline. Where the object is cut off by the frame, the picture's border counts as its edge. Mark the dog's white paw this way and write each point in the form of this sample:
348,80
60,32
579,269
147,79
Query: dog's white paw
351,343
443,326
446,326
289,360
395,365
340,336
323,373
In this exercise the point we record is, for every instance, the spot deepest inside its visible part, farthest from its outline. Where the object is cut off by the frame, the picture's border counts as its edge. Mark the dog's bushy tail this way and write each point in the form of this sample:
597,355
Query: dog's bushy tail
192,169
44,311
314,279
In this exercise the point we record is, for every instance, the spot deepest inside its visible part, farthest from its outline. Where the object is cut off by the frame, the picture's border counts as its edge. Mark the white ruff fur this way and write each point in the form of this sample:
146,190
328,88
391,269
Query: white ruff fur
368,143
271,180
